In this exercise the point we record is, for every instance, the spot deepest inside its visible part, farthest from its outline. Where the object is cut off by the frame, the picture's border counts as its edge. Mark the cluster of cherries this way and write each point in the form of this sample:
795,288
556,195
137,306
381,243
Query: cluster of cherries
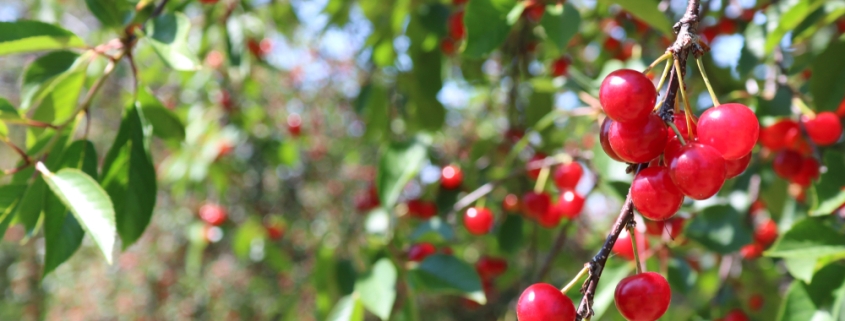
457,30
793,159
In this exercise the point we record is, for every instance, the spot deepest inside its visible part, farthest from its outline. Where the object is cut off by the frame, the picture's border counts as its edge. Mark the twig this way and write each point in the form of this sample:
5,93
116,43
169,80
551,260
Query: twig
159,9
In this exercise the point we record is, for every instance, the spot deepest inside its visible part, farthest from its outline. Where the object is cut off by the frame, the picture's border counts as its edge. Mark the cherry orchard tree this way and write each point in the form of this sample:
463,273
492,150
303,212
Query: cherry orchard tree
422,160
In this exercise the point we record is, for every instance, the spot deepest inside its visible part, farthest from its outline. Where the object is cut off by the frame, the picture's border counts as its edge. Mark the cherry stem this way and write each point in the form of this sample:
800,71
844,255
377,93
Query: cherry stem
574,280
541,180
632,236
707,82
660,59
481,202
681,87
805,110
677,132
665,75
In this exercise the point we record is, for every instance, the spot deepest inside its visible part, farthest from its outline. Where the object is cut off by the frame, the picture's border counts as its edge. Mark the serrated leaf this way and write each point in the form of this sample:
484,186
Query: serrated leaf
348,308
111,13
828,82
169,38
561,23
87,201
645,10
129,176
377,289
445,273
166,125
719,228
808,238
27,36
398,164
487,26
826,194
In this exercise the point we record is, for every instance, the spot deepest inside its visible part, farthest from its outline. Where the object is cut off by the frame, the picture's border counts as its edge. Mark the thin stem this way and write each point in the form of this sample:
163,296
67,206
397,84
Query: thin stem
541,180
660,59
677,132
707,82
575,280
27,160
803,107
632,236
481,202
665,75
681,87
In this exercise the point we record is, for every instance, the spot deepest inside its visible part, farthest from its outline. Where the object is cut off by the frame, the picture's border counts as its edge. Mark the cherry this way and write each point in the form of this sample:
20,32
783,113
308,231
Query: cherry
259,49
570,204
367,200
643,297
655,195
809,171
627,96
680,121
825,129
709,34
638,142
422,209
490,267
840,111
787,163
457,30
611,44
751,251
533,169
420,251
656,228
559,67
732,129
551,218
605,142
511,203
544,302
213,214
625,249
736,166
294,122
774,137
534,10
536,204
447,46
698,170
766,233
451,177
478,220
735,315
726,26
568,175
755,302
275,229
459,2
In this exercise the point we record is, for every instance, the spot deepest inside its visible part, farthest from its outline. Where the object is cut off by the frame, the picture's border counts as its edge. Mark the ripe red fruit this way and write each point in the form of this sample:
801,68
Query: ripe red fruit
490,267
655,195
638,142
536,204
511,203
611,44
367,200
604,131
755,302
657,228
825,129
809,171
680,121
751,251
544,302
451,177
643,297
774,137
447,46
420,251
625,249
732,129
213,214
627,96
570,204
735,315
787,163
568,175
457,30
478,220
459,2
294,122
551,218
698,170
422,209
533,170
766,232
534,10
737,166
726,26
259,49
559,67
275,229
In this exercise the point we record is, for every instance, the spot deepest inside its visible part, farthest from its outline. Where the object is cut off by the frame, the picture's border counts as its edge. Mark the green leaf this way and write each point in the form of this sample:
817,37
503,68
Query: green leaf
808,238
539,106
166,125
398,164
7,111
790,19
825,283
425,111
32,203
129,176
719,228
680,275
645,10
27,36
59,105
348,308
10,196
826,194
42,75
111,13
487,26
247,233
828,82
87,201
510,237
796,305
561,23
433,230
377,289
445,273
801,268
168,34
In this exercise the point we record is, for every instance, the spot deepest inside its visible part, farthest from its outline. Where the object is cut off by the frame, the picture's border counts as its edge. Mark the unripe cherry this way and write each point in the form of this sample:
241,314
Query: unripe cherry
478,220
512,203
568,175
638,142
732,129
643,297
544,302
824,129
655,195
604,131
698,170
627,96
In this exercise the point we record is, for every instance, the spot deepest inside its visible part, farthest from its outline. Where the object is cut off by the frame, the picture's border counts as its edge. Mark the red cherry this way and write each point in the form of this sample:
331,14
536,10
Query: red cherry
551,218
533,169
698,171
751,251
611,44
825,129
735,315
755,302
840,111
367,200
657,228
638,142
625,249
511,203
490,267
536,204
605,142
447,46
627,96
774,137
736,166
559,67
643,297
709,34
459,2
275,229
294,122
456,25
422,209
727,26
544,302
478,220
451,177
254,48
568,175
787,163
680,121
420,251
732,129
570,204
655,195
213,214
809,172
534,10
767,232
